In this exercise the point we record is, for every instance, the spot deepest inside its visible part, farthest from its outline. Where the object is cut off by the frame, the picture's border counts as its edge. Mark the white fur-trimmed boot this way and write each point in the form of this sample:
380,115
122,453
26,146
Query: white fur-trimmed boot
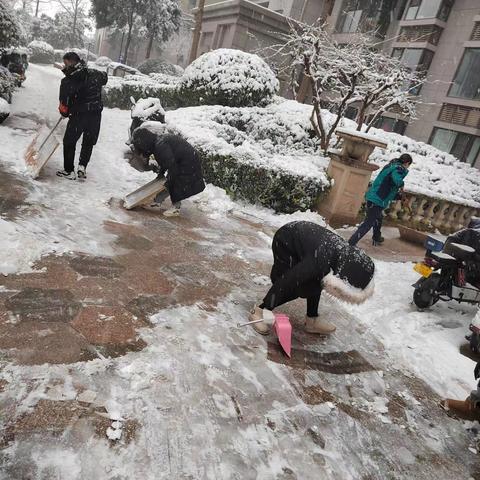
267,317
319,326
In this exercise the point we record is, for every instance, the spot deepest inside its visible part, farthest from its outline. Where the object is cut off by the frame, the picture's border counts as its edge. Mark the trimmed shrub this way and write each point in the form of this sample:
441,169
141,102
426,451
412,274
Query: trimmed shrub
41,52
230,78
282,191
7,84
117,92
103,61
160,66
4,110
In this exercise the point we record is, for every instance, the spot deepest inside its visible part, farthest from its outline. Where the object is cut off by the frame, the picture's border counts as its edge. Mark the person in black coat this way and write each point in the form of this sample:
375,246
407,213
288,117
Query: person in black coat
81,103
174,157
308,259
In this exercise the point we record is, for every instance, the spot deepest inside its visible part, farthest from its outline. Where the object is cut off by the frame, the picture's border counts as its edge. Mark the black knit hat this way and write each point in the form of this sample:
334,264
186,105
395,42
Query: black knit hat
72,57
356,268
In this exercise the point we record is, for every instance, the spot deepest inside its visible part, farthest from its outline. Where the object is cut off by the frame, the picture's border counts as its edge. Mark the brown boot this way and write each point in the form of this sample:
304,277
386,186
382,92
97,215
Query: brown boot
464,409
263,327
319,326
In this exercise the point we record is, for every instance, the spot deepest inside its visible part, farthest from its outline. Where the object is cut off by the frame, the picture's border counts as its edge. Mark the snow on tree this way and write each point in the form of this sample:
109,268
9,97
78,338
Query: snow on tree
341,75
162,20
10,28
41,52
157,18
230,77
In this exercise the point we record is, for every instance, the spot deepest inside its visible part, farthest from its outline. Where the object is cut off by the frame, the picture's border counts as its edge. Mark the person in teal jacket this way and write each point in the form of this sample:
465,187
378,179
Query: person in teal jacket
385,189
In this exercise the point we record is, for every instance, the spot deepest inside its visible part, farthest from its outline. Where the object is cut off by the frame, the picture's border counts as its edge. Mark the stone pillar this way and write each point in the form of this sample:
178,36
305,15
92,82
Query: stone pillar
350,182
351,174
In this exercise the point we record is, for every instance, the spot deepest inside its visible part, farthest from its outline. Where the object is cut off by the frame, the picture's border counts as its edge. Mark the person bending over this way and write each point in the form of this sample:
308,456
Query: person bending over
308,259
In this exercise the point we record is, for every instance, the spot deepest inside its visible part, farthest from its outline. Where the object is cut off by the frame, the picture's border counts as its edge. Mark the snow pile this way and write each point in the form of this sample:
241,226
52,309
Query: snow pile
433,173
148,108
230,77
41,52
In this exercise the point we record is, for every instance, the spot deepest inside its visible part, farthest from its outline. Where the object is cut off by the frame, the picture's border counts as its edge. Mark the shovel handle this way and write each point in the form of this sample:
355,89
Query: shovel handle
240,325
51,132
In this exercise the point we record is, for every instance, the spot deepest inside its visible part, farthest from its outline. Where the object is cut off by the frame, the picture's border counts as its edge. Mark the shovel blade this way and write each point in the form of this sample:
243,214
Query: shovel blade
40,151
283,329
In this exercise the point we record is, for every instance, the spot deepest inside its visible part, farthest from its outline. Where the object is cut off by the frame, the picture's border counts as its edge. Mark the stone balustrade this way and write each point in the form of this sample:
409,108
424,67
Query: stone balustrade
430,214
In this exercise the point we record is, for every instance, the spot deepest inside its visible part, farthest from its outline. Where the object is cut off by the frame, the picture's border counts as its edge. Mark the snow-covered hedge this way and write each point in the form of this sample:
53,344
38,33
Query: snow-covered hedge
4,110
103,61
279,136
160,66
117,92
7,84
263,155
228,77
82,53
41,52
10,27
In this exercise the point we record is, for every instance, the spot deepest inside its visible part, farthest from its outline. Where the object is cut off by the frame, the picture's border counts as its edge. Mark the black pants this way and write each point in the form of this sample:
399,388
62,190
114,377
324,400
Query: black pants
373,220
86,124
296,287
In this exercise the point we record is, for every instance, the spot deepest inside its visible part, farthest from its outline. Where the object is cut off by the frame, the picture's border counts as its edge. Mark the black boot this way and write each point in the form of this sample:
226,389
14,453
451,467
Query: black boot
376,242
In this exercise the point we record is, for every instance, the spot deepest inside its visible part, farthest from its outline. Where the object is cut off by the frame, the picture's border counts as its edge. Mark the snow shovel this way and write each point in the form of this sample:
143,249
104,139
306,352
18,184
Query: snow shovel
41,149
283,329
144,194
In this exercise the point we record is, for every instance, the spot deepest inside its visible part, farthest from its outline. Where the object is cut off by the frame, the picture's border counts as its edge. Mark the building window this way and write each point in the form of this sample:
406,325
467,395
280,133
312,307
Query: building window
423,33
351,112
466,83
461,145
416,60
366,16
391,125
429,9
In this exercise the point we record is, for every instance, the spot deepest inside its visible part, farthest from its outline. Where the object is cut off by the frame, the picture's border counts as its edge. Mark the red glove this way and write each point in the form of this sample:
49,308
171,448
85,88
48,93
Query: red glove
63,109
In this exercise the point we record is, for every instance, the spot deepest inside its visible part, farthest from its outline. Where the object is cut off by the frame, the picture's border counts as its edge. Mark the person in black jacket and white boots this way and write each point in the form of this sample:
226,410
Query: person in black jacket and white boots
174,157
81,103
308,259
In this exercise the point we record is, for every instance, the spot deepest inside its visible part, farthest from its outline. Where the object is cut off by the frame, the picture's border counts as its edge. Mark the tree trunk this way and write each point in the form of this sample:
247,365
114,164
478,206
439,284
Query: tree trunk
149,46
127,43
197,31
37,7
75,17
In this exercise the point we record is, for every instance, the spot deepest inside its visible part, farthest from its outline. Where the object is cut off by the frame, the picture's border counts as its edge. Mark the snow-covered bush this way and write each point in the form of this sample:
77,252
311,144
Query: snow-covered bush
160,66
4,110
165,78
41,52
58,54
103,61
228,77
10,27
146,109
117,92
7,84
263,155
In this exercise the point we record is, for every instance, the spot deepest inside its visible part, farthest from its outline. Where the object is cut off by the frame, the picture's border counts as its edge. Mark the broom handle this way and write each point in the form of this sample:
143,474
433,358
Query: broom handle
51,132
239,325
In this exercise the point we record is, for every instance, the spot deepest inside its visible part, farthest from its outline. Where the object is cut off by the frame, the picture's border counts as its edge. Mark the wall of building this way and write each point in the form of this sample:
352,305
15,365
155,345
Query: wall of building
448,55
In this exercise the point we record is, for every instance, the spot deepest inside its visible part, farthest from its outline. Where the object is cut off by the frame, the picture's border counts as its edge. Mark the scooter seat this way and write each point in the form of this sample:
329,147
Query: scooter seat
444,258
459,251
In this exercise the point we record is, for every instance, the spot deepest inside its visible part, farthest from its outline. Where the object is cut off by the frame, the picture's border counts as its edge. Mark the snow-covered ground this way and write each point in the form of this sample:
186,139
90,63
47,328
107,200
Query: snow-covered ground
188,345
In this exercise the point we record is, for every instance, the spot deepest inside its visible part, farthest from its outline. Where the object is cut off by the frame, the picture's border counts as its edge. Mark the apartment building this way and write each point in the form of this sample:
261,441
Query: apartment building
440,38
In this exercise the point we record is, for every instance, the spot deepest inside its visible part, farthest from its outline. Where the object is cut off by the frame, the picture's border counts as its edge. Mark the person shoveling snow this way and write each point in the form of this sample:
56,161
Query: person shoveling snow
175,158
81,102
308,259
